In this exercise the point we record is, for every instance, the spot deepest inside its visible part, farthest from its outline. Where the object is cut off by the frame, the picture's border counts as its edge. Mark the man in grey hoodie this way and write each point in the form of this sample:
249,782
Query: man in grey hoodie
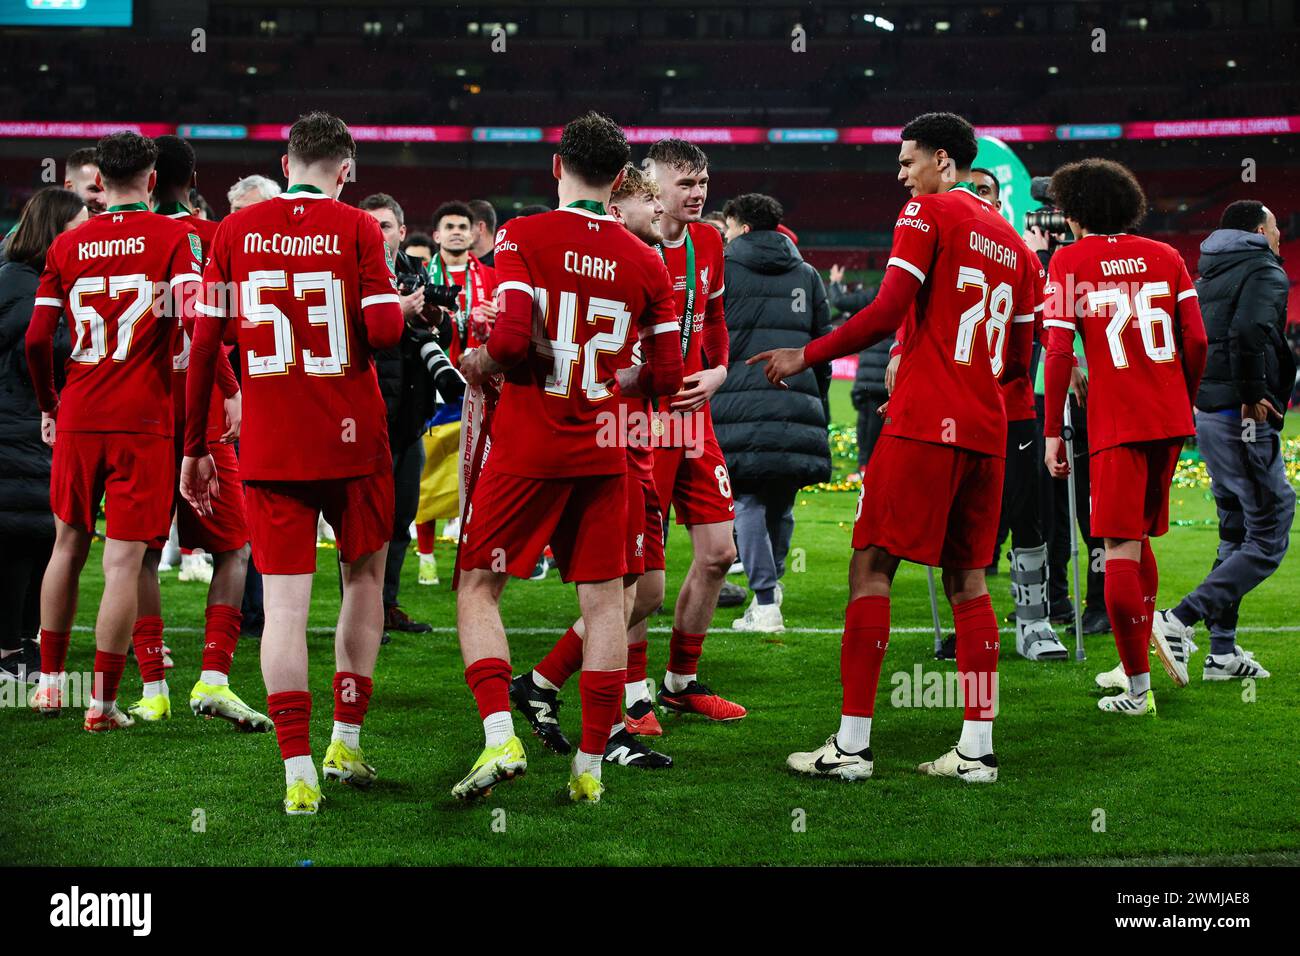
1249,374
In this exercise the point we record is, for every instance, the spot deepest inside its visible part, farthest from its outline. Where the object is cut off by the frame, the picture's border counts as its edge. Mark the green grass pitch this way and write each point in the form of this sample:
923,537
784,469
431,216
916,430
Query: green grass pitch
1211,780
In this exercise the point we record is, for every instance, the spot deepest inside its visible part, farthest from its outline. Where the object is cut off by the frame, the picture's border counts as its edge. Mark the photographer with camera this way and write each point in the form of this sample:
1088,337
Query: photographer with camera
414,377
1045,232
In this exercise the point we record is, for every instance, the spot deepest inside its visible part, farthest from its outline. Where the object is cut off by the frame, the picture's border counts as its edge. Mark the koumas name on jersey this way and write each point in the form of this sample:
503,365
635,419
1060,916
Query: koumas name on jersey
971,324
122,278
305,286
575,291
1134,304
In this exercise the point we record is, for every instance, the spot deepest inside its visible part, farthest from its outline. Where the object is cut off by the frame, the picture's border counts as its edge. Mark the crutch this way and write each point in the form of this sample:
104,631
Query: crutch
1067,432
934,610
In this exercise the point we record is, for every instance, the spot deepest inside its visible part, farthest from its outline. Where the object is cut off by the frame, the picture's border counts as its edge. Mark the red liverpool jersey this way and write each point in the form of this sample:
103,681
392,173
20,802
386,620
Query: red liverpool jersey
120,278
298,279
977,279
1132,301
707,319
595,288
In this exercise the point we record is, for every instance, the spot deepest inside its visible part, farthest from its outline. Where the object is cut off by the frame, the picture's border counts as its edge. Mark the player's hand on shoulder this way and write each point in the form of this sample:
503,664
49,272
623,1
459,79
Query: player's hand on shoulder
199,483
1054,457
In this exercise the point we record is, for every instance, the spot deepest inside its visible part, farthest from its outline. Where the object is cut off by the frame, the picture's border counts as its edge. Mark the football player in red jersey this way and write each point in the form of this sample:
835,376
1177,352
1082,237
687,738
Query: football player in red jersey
1135,306
305,284
635,204
932,492
122,278
222,534
575,292
690,472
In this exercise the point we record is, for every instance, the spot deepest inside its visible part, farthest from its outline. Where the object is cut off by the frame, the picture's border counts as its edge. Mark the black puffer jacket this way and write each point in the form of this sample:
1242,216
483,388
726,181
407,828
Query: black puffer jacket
24,458
1243,291
404,381
773,300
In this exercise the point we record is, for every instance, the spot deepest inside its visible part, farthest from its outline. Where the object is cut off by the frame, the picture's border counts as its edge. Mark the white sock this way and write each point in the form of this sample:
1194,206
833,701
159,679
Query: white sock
855,734
542,682
616,728
350,734
635,691
426,558
50,681
498,728
300,768
1139,684
587,763
102,706
216,678
677,682
976,738
155,688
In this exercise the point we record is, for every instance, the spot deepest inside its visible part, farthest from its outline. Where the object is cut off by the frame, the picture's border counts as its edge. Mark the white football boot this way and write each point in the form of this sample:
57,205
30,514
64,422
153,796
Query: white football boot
830,761
1170,637
966,769
1130,705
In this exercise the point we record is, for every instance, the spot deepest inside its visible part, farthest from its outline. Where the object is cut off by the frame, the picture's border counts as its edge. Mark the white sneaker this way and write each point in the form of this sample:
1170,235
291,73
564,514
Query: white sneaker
1037,641
965,769
736,567
1232,667
764,618
1170,636
829,760
195,567
1114,679
1129,705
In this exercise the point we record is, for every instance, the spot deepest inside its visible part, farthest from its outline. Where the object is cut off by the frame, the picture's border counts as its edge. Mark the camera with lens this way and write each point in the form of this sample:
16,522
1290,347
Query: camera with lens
435,296
1047,217
447,381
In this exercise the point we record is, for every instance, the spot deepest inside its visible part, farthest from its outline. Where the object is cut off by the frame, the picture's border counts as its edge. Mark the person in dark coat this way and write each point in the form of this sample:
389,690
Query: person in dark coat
1249,373
869,390
26,522
774,440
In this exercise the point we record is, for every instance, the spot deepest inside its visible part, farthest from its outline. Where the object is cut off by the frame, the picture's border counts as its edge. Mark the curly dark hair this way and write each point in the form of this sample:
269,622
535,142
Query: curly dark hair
946,131
453,208
1101,195
754,210
122,157
594,148
321,136
175,164
681,155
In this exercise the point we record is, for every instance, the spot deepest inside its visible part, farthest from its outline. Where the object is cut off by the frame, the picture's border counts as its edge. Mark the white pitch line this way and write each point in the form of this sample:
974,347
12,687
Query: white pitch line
1260,629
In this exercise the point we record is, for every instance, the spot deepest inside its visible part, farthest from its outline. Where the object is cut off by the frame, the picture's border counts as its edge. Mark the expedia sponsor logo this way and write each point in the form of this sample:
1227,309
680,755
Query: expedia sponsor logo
920,224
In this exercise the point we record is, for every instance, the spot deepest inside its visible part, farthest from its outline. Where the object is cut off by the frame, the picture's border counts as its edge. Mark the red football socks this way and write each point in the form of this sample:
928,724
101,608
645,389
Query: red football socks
977,656
489,679
147,639
862,651
220,637
684,652
636,661
1150,574
426,535
564,659
290,710
108,675
351,697
602,700
1125,600
54,651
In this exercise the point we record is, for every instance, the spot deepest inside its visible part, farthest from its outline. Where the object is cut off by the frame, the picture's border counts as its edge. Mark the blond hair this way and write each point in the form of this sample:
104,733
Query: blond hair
636,182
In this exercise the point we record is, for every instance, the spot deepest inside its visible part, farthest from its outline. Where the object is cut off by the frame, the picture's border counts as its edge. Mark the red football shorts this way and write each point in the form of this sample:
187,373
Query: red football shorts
282,519
511,519
134,474
224,529
936,505
695,482
645,527
1130,488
